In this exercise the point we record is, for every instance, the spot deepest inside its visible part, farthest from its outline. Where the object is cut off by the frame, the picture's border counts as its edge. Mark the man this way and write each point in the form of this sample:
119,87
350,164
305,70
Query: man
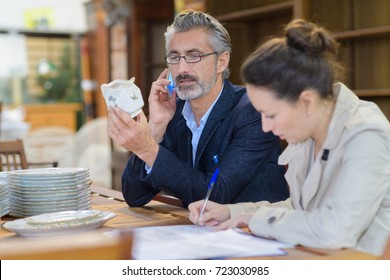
211,124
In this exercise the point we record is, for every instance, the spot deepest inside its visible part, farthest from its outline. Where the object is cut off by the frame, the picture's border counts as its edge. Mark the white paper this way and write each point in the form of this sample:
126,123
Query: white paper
195,242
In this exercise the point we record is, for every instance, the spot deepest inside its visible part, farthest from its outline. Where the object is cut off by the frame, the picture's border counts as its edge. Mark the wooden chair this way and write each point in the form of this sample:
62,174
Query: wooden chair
12,155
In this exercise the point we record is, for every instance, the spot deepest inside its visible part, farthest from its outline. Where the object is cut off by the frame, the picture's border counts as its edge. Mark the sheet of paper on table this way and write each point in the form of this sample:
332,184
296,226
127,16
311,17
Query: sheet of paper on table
194,242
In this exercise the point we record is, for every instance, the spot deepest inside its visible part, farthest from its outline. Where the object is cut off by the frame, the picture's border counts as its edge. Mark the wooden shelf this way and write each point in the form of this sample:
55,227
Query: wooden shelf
364,33
59,114
248,14
372,92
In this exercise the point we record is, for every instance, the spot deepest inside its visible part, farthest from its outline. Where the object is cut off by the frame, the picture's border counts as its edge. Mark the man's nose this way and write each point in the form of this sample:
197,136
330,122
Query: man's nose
182,66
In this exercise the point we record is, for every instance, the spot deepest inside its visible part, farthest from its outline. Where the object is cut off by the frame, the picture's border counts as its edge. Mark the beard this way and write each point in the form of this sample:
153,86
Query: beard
198,89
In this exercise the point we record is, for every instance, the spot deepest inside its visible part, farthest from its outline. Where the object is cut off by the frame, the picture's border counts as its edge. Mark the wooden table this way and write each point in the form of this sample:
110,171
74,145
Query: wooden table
103,244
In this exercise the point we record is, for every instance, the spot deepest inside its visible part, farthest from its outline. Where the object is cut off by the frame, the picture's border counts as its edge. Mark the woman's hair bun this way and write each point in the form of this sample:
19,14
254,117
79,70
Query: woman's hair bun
308,37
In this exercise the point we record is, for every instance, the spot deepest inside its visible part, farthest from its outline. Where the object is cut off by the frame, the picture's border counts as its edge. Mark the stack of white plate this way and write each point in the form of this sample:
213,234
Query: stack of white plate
4,203
48,190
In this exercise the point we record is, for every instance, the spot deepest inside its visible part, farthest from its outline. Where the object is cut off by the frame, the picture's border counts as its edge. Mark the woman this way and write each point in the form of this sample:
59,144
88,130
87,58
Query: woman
338,155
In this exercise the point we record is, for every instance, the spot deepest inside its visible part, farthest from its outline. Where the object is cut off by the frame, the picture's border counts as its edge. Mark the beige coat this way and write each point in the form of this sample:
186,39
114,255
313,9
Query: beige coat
343,201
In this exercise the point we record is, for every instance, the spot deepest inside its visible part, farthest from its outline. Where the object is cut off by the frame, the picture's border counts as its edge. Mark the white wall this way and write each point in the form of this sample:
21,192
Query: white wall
69,15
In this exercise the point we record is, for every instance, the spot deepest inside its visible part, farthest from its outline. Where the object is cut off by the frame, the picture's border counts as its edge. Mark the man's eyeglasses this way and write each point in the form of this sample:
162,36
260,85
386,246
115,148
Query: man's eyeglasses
189,58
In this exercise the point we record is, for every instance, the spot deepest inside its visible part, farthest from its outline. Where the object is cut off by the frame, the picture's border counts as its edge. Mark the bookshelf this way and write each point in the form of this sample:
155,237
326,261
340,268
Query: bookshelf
362,28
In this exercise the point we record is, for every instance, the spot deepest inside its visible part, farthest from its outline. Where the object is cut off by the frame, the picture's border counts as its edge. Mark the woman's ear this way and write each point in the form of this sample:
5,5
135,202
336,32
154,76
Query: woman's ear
223,62
307,98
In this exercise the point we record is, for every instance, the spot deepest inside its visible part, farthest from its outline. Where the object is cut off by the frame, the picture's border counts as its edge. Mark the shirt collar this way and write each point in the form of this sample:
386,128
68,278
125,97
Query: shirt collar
189,116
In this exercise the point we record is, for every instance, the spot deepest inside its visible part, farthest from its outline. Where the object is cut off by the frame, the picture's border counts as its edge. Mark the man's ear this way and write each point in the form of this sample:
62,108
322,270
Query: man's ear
223,61
307,98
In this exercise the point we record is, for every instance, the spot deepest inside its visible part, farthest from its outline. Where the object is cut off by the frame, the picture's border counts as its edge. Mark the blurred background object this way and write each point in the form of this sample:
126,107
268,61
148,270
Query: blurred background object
12,123
90,148
48,143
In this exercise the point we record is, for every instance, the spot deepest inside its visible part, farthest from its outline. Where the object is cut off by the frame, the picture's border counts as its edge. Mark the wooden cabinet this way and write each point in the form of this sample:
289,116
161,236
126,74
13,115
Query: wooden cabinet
59,114
362,27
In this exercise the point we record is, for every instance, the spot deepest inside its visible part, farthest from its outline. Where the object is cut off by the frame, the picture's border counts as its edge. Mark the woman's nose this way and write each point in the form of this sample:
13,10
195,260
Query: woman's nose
265,124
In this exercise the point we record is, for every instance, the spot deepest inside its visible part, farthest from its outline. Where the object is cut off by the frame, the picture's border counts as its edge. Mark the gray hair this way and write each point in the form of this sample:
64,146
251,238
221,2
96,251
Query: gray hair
219,38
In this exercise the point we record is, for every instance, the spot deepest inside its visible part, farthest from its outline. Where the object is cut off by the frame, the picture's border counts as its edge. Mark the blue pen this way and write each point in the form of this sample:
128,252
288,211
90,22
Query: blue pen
209,190
171,86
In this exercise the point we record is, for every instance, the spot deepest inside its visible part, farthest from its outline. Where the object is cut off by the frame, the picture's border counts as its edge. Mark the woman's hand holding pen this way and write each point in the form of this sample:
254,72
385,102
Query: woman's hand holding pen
214,214
217,215
241,220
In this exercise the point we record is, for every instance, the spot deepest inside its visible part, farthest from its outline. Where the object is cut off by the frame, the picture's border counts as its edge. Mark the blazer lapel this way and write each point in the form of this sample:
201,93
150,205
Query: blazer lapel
184,141
220,111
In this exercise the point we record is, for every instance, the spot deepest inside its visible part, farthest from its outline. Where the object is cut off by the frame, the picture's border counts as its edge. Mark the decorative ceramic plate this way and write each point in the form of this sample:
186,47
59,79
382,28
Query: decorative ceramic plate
60,223
64,218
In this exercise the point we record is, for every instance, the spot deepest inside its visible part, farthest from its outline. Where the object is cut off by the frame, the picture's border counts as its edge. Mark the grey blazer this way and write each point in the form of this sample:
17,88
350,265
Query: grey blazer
247,158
